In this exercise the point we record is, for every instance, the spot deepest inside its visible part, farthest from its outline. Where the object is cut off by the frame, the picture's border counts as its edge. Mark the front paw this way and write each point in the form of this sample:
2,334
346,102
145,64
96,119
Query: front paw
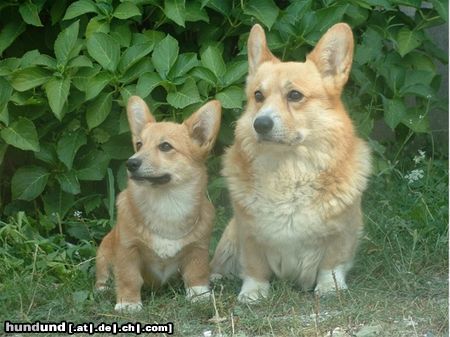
330,281
128,307
253,290
198,294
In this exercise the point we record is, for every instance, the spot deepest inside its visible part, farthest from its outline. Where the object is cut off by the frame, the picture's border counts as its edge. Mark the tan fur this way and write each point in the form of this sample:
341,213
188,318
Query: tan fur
162,229
296,197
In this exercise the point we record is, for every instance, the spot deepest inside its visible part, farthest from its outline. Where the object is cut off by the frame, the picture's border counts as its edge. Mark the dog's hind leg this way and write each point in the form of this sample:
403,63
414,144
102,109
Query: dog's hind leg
226,261
103,261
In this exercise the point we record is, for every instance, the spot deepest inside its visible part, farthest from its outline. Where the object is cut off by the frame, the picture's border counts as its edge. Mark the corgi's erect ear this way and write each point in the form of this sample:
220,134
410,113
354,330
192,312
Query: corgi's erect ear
257,49
138,116
333,55
204,124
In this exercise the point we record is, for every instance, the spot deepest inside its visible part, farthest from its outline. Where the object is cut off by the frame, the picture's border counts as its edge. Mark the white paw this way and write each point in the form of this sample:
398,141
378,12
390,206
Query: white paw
102,287
253,291
214,277
128,307
329,280
198,294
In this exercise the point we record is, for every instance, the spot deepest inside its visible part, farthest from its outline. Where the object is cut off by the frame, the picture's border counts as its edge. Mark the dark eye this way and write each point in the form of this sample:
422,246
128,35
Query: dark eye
138,146
165,147
259,97
294,96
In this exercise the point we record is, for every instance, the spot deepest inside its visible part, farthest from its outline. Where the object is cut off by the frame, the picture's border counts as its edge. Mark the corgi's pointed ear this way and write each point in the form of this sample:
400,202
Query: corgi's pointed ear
257,49
333,55
204,124
138,116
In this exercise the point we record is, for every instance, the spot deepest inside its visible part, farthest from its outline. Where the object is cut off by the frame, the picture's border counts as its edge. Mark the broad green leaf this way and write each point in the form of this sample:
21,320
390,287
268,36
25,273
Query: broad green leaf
126,92
133,55
4,114
79,8
141,67
97,83
98,110
68,146
57,202
9,65
266,11
57,90
3,148
57,10
81,79
105,50
122,33
146,83
119,147
5,94
408,40
29,78
231,97
47,153
80,61
93,166
212,59
30,13
65,43
442,8
187,95
223,7
328,16
175,10
10,31
149,36
164,55
97,25
34,58
205,75
122,177
417,120
126,10
29,182
5,91
235,73
394,112
69,182
184,63
194,12
21,134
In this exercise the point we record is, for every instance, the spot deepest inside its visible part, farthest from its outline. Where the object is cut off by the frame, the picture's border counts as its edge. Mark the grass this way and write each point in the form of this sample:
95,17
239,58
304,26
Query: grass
399,285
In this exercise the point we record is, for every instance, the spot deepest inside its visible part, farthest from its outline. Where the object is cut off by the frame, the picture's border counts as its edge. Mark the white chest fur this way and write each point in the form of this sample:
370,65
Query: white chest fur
166,248
282,203
166,212
163,272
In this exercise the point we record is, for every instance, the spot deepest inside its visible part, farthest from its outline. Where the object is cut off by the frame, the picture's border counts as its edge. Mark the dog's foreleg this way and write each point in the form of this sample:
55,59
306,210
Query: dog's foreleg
128,279
256,272
195,271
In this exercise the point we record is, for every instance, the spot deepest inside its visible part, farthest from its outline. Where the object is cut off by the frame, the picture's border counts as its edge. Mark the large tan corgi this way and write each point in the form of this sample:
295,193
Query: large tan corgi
164,218
296,172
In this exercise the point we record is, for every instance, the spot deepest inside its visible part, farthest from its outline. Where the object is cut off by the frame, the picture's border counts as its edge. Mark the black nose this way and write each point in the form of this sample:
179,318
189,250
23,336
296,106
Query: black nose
133,164
263,124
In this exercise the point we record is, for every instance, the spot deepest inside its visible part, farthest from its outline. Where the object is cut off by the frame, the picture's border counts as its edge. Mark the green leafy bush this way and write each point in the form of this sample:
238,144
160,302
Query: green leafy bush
68,68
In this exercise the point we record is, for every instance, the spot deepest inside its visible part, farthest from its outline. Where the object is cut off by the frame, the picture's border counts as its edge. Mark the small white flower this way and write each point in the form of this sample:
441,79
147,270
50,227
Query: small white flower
421,116
420,157
414,175
78,214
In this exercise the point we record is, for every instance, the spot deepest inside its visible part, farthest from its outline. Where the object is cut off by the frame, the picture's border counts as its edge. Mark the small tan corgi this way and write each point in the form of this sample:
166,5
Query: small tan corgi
296,172
164,220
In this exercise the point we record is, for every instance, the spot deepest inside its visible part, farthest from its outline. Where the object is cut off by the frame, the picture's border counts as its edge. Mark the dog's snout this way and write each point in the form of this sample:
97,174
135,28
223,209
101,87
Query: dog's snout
133,164
263,124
